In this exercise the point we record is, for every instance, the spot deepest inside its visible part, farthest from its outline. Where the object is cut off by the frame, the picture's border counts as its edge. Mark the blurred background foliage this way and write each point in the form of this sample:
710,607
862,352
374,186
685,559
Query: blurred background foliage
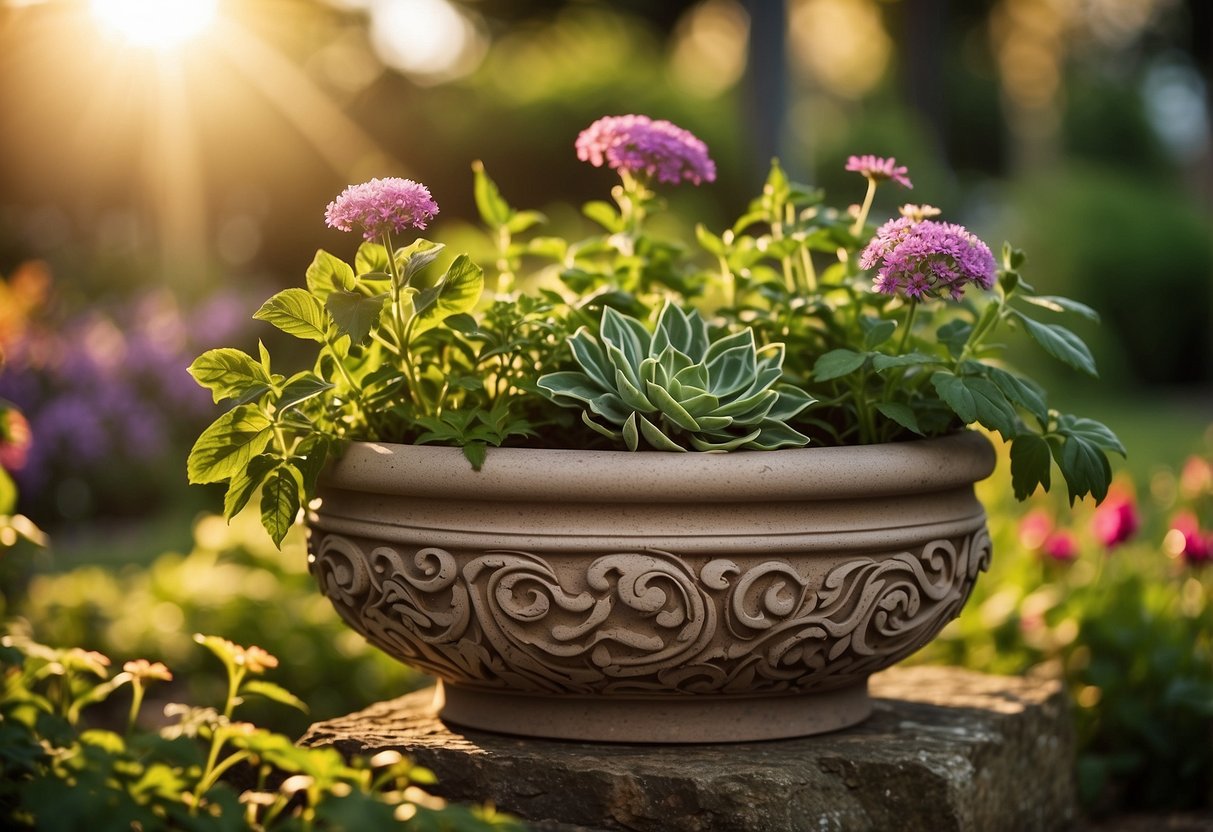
160,174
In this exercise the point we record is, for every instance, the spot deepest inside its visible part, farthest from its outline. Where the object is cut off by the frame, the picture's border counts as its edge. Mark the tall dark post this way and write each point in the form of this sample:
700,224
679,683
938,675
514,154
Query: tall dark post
766,88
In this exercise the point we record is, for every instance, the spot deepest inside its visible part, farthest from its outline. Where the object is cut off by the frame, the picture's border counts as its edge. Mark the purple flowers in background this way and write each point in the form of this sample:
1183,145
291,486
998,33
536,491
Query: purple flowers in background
110,392
382,206
641,147
927,258
878,168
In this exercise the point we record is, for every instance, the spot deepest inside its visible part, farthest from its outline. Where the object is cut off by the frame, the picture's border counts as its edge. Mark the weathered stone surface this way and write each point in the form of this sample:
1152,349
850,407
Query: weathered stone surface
946,749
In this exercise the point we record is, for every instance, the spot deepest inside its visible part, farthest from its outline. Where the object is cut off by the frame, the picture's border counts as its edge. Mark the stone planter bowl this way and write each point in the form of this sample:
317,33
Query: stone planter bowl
653,597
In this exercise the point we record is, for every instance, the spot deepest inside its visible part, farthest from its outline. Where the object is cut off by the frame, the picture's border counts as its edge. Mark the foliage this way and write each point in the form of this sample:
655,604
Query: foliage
204,770
404,360
676,387
232,580
1123,613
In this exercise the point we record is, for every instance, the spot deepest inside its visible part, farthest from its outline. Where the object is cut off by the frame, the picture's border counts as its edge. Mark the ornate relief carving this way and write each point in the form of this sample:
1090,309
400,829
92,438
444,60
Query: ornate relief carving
647,622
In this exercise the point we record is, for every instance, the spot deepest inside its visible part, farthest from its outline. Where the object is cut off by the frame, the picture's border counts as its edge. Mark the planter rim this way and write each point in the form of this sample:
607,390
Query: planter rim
559,475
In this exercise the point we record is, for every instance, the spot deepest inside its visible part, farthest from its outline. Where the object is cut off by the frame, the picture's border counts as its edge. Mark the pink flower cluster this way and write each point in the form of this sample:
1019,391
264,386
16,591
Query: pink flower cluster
878,168
382,206
924,258
644,147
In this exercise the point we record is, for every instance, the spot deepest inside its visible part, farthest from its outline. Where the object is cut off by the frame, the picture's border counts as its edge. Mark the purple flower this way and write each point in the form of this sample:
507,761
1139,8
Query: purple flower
926,258
878,168
382,206
640,146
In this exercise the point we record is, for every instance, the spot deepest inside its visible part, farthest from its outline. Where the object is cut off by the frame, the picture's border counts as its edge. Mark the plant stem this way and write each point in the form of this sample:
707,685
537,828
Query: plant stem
860,220
909,325
136,702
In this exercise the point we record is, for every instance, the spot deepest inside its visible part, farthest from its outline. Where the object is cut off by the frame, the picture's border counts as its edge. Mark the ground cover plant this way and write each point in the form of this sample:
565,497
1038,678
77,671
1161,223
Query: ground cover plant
203,769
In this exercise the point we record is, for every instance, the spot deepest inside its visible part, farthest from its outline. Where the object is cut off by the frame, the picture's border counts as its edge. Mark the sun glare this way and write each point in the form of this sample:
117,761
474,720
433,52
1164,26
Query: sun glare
155,23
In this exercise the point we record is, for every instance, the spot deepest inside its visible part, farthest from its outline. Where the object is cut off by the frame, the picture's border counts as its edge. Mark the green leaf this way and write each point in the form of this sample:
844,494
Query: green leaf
494,211
553,248
1030,464
275,693
837,363
457,292
281,496
355,314
604,214
417,255
1021,391
8,494
230,374
370,259
709,241
229,444
902,414
1097,433
301,387
877,332
524,221
297,313
1085,468
244,482
882,362
954,334
1059,304
1061,343
329,274
976,400
310,456
475,453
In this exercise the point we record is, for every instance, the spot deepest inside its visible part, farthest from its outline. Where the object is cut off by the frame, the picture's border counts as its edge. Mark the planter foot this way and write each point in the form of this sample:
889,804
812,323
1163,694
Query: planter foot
666,719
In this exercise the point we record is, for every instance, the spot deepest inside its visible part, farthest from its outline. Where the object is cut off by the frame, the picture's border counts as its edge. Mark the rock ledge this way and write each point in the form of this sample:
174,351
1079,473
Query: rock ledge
945,749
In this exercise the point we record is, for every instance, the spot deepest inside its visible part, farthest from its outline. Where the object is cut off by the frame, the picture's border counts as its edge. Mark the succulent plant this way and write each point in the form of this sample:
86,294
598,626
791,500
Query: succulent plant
675,389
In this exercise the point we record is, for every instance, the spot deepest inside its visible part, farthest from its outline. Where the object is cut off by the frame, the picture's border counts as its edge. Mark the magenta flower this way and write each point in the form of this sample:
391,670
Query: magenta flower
1187,539
927,258
878,168
1061,546
640,146
382,206
1116,520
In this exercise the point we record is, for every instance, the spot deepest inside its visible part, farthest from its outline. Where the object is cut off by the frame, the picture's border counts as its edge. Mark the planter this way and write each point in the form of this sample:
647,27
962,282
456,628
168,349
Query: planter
651,597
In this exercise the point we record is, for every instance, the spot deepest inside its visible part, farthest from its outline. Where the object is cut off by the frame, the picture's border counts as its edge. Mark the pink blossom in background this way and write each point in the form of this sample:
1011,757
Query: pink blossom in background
15,440
878,168
1035,528
1186,539
382,206
1061,546
644,147
1196,477
1116,519
924,258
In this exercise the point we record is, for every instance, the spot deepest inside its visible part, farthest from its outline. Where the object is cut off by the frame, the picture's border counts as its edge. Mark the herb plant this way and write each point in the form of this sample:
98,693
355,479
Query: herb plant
798,324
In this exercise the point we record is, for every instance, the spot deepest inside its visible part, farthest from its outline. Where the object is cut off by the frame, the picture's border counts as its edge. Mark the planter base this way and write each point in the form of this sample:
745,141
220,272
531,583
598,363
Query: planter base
688,719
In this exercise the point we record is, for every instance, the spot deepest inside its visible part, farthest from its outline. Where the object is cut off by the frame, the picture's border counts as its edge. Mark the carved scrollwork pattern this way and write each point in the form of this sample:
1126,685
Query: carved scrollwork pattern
647,622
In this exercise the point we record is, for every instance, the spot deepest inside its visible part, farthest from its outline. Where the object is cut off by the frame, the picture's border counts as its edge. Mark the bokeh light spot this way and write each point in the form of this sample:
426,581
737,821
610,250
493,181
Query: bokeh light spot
155,23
